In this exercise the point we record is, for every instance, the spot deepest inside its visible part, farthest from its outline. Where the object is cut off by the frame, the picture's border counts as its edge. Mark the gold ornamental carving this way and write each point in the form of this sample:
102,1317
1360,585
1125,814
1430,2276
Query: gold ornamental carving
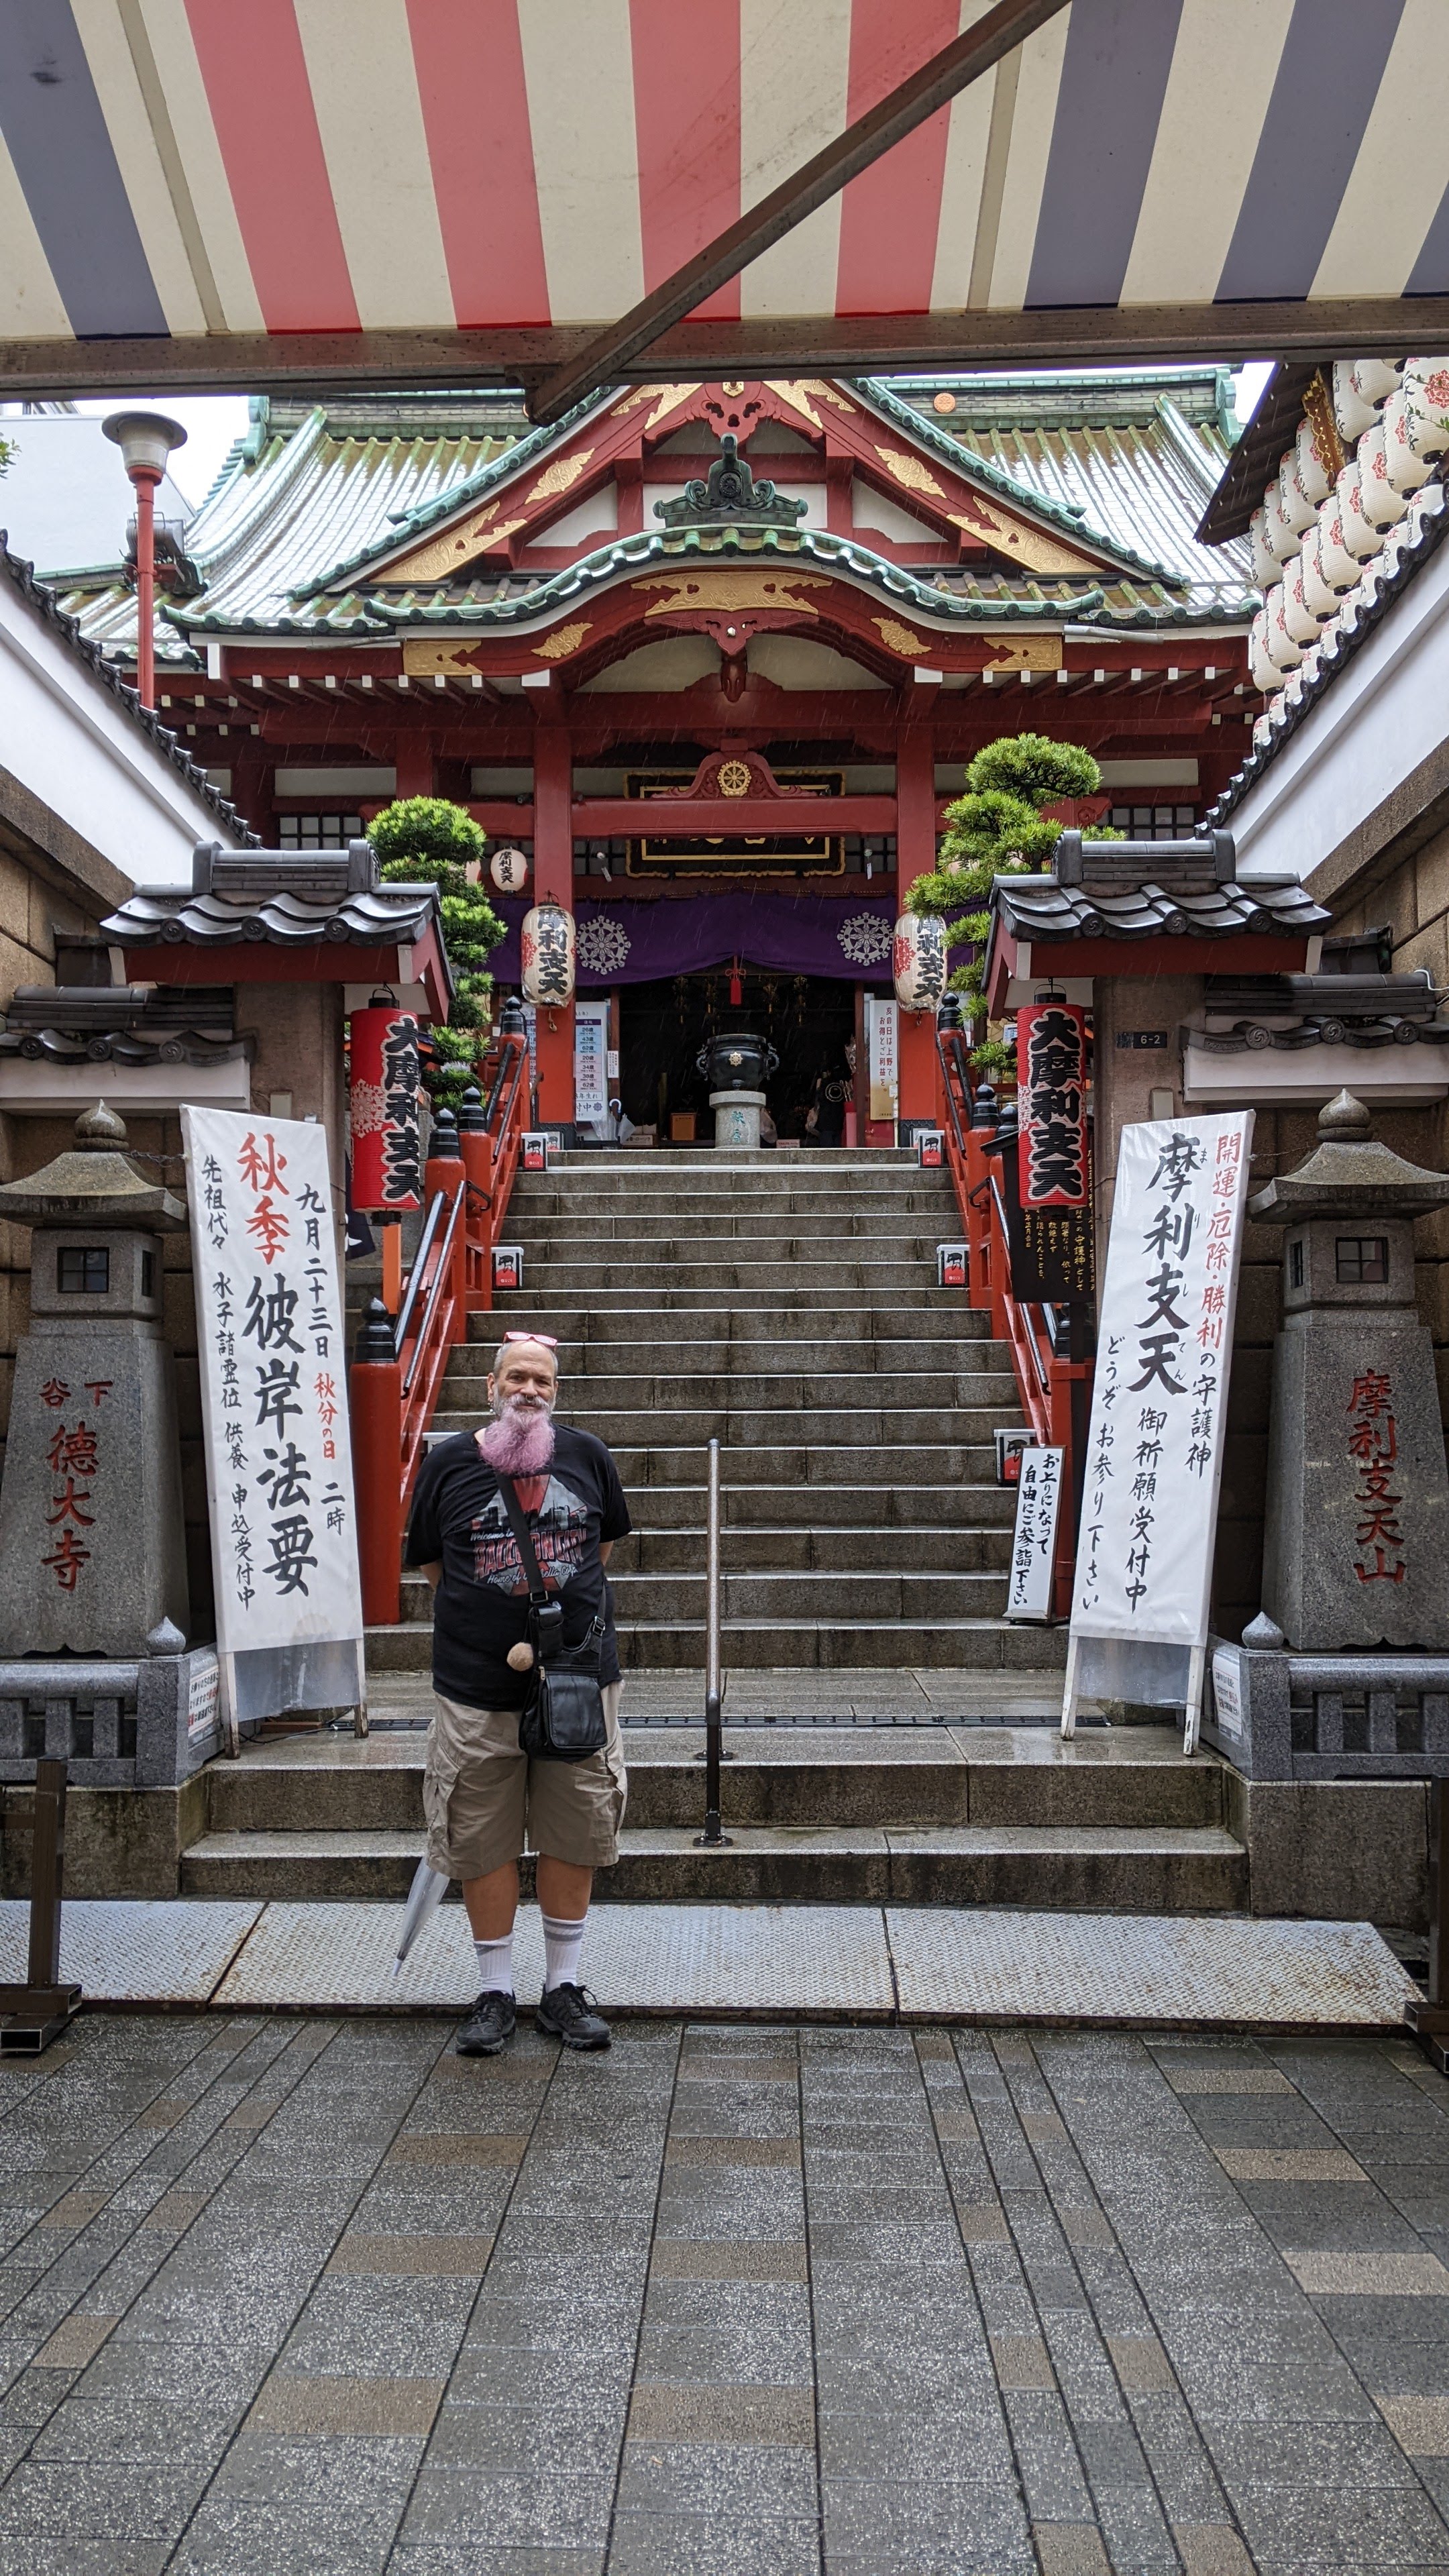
804,395
1029,547
899,638
665,398
455,547
559,477
744,588
1023,653
733,777
910,471
563,641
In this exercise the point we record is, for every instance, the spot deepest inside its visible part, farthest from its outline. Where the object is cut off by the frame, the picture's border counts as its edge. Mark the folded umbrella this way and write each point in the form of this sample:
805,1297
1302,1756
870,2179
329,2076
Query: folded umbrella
425,1895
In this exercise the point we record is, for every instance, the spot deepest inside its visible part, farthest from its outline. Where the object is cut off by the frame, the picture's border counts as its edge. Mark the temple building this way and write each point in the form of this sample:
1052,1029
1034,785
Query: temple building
712,658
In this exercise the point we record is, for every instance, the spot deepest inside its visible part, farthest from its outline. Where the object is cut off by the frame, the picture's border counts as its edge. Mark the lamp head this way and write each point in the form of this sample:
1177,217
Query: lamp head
145,439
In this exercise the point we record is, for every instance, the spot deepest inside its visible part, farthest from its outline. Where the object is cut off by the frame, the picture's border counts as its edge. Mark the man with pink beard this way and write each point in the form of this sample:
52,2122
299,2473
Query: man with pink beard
483,1798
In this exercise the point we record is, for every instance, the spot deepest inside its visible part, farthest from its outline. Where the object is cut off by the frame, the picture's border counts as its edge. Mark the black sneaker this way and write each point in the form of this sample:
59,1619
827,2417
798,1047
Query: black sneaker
568,2013
489,2027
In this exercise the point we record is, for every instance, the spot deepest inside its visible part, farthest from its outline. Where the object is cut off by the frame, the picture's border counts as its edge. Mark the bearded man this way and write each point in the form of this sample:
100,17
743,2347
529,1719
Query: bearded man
483,1798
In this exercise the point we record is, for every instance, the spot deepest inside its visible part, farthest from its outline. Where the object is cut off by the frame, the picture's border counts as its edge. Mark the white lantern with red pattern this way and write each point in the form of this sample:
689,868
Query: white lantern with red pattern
548,956
919,960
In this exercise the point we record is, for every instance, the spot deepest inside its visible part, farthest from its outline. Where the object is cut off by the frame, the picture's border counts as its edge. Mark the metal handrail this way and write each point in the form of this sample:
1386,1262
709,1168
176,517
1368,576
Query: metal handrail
712,1837
405,1313
436,1290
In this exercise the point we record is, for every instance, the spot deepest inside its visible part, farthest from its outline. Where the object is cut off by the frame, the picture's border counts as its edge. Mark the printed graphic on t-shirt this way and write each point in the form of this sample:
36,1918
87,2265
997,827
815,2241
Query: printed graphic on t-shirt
558,1533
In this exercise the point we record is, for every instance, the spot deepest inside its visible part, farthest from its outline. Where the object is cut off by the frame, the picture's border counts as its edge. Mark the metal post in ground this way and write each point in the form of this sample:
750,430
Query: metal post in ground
34,2014
712,1838
1429,2021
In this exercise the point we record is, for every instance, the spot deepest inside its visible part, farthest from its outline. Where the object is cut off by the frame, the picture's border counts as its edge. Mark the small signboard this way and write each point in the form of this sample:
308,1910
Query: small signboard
1009,1446
953,1266
1227,1693
1034,1546
930,1148
203,1687
507,1265
535,1150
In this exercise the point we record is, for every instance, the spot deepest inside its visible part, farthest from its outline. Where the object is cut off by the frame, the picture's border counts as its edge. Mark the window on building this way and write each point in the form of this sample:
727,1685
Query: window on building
317,831
83,1271
1363,1260
1295,1265
1155,822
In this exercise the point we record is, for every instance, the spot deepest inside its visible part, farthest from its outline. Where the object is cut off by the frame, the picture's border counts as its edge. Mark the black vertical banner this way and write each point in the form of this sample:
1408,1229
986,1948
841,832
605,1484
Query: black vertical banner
1053,1156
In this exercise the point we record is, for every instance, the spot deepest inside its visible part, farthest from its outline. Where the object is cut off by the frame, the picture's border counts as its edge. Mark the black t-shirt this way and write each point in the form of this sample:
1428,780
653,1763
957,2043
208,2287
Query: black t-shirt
481,1605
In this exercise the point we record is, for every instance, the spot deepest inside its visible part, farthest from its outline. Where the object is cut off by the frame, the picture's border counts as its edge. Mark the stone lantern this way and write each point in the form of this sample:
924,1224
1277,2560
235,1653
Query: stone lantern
1356,1552
92,1549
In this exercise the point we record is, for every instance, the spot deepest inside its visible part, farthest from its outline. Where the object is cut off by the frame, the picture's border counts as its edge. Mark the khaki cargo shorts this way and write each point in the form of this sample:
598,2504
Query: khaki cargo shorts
485,1802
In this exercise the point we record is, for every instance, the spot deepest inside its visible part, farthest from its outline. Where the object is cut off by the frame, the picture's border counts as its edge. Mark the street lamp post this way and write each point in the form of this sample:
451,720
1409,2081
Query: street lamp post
145,439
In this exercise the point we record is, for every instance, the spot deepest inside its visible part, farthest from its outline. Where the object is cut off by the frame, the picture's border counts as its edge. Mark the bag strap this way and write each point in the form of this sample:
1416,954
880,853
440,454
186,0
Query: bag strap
518,1523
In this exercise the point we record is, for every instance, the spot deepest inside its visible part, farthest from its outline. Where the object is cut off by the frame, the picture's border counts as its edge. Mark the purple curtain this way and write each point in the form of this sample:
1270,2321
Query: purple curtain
633,942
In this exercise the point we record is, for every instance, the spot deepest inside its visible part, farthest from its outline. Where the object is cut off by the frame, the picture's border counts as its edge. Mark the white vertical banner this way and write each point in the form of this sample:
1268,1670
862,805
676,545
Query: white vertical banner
591,1050
881,1058
1034,1543
270,1334
1159,1406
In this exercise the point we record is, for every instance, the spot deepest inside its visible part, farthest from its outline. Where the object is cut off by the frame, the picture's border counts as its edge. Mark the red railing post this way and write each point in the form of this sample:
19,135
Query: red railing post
375,1402
477,1146
446,1174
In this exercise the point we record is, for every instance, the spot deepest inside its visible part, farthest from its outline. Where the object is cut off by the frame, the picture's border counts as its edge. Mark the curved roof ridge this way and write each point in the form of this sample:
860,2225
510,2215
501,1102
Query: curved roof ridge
1068,521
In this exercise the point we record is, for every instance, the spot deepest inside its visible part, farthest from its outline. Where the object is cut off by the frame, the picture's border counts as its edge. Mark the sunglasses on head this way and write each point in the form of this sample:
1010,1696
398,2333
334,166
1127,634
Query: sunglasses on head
549,1341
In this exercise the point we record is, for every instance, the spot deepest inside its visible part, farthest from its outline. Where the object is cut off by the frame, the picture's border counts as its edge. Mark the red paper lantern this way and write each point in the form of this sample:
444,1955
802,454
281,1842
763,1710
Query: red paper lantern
383,1100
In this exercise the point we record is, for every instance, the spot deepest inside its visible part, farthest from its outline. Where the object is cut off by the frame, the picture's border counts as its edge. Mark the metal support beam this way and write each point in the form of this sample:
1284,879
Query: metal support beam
822,177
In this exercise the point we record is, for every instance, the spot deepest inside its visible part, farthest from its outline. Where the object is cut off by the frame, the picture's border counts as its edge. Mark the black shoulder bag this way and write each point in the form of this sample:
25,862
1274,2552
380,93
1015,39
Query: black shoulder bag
563,1715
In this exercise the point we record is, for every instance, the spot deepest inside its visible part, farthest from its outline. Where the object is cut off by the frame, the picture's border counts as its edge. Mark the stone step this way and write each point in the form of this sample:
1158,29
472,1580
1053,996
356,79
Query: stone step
859,1427
551,1296
724,1277
807,1548
916,1469
782,1391
794,1644
556,1230
959,1509
1127,1869
818,1777
806,1593
865,1326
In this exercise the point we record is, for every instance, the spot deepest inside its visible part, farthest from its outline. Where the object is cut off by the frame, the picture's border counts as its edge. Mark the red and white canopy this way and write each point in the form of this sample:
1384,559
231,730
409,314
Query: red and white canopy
247,191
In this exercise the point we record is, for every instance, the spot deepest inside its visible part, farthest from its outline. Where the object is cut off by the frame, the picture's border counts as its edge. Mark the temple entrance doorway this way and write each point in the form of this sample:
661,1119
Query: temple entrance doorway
808,1019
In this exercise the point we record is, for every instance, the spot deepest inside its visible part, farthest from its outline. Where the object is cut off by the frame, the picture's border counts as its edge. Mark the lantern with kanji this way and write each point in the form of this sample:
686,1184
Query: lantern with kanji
383,1101
919,959
509,871
548,956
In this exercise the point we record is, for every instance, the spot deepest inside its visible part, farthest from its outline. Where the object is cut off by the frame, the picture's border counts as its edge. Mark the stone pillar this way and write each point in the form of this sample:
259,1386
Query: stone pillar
553,880
919,1095
1356,1549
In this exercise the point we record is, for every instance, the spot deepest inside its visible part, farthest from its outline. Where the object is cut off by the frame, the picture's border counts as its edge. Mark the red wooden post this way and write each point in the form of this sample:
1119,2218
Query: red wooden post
553,873
447,1172
919,1074
374,1387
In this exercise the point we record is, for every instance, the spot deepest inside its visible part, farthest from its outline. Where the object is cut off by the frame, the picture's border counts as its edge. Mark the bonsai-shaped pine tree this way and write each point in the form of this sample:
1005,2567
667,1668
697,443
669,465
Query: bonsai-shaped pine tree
998,829
427,840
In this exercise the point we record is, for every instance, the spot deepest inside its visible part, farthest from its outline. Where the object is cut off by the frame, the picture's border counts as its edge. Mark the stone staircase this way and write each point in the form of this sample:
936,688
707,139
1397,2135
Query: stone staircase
787,1306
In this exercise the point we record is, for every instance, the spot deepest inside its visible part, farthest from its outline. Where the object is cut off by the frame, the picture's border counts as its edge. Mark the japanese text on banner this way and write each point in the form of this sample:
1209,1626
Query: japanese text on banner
274,1381
1154,1450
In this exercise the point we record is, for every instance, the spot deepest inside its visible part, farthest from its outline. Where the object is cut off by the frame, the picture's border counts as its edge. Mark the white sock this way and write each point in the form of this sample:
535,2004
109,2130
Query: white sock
562,1943
495,1965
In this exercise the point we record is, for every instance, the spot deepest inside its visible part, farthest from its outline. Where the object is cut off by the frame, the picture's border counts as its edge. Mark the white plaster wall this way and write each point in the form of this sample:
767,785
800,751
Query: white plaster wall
74,746
1382,715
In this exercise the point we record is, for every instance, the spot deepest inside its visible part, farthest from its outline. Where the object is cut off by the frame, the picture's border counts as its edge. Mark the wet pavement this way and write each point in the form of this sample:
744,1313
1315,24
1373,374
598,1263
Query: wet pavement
318,2296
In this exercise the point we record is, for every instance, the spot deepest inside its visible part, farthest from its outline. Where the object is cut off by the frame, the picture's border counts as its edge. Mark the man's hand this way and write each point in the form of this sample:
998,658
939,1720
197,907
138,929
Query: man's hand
434,1574
606,1550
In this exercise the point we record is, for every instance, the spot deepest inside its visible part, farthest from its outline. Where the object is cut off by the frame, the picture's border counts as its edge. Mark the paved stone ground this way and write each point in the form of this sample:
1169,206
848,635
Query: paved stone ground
736,2300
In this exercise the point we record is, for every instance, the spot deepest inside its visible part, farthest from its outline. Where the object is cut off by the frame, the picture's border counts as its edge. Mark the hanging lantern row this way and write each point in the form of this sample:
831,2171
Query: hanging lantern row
548,944
919,959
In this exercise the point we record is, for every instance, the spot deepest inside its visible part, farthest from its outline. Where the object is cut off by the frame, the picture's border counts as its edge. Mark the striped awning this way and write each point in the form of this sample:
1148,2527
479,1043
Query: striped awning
256,192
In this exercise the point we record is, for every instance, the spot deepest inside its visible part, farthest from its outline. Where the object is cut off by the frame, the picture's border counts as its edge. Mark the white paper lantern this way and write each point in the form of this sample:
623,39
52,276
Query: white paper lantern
1416,431
1281,539
1350,409
1297,511
919,958
1322,593
1298,617
1265,562
1265,671
509,871
548,956
1362,535
1384,500
1283,650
